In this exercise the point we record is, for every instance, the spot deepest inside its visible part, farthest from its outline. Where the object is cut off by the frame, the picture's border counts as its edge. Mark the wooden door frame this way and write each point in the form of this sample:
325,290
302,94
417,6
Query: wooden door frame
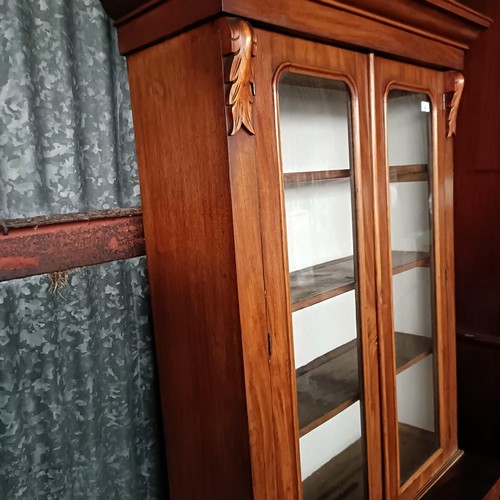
277,53
385,75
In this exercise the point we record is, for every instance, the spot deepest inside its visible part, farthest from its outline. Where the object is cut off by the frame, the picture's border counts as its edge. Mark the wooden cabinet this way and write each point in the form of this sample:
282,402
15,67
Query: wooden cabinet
298,217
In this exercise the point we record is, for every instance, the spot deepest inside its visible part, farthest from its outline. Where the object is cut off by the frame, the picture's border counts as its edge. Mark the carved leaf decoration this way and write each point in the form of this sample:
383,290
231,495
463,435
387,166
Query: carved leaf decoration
456,80
240,76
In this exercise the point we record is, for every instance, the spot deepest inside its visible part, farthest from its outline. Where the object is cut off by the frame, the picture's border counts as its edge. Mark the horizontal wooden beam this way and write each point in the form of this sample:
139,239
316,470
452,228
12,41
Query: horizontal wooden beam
61,246
45,220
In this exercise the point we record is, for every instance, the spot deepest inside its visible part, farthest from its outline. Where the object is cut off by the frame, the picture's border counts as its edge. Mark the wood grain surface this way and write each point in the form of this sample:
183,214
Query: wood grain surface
329,384
186,194
434,32
279,54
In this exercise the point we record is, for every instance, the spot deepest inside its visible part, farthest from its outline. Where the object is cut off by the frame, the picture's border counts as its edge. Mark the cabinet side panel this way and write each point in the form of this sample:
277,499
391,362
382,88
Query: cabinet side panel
179,115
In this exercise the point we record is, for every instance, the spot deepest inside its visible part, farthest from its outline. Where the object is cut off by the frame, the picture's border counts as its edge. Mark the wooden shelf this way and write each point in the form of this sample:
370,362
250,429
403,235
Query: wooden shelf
329,384
397,173
340,478
329,279
408,173
318,175
343,476
415,447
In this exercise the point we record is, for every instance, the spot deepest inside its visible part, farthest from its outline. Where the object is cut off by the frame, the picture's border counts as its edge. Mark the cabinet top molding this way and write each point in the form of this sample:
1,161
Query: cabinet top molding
432,32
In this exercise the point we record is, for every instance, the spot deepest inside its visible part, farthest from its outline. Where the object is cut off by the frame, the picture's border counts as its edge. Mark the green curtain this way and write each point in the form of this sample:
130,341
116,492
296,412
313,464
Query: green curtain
66,134
79,414
79,406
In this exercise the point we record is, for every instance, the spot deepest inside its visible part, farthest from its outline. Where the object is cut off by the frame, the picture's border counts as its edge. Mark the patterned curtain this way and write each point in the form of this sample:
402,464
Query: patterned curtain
79,416
79,410
66,134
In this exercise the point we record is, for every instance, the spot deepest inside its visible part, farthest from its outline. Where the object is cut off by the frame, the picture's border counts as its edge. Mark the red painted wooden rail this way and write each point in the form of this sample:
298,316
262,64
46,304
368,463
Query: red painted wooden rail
59,246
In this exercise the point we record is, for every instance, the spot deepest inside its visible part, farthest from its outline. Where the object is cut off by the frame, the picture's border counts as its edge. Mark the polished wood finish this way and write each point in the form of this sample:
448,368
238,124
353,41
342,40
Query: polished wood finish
65,245
329,384
454,83
388,74
435,32
125,10
257,338
279,54
477,246
324,281
184,173
240,49
206,114
462,10
474,477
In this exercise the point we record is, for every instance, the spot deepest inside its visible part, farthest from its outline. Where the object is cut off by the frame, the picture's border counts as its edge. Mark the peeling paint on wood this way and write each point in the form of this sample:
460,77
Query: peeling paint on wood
31,251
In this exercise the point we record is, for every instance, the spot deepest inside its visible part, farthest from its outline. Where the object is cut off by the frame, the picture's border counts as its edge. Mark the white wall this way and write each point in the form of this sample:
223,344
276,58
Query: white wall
323,327
412,302
408,144
328,440
314,128
415,388
319,222
409,202
407,130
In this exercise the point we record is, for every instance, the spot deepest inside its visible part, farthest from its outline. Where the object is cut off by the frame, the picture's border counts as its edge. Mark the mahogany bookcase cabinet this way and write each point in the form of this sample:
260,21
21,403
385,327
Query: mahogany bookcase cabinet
296,177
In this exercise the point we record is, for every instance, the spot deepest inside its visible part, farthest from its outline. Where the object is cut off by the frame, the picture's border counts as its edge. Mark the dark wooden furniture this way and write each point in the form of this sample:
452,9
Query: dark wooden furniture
475,477
240,411
477,246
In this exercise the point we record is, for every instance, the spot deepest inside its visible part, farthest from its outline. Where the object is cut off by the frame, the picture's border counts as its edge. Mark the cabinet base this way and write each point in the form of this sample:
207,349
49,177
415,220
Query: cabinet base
446,467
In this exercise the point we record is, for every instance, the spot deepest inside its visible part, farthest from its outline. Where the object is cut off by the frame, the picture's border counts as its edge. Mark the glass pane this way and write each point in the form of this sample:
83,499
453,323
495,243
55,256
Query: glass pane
316,151
79,405
409,122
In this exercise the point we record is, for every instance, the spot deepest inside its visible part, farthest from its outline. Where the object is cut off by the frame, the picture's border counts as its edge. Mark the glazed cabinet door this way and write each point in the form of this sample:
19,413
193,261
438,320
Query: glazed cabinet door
317,234
415,275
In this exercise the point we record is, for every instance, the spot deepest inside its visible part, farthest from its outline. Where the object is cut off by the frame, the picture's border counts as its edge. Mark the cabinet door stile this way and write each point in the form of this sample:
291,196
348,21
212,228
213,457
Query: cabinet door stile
446,181
245,211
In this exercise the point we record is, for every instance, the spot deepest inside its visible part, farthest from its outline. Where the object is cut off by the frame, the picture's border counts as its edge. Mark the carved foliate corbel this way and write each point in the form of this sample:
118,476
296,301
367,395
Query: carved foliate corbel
239,48
454,83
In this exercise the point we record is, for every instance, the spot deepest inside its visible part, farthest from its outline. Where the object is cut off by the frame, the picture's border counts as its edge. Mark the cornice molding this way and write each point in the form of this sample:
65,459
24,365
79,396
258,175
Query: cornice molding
433,32
121,11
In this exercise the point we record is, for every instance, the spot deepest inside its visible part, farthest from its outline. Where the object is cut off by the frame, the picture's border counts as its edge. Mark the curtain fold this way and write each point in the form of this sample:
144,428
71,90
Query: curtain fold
66,134
79,413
